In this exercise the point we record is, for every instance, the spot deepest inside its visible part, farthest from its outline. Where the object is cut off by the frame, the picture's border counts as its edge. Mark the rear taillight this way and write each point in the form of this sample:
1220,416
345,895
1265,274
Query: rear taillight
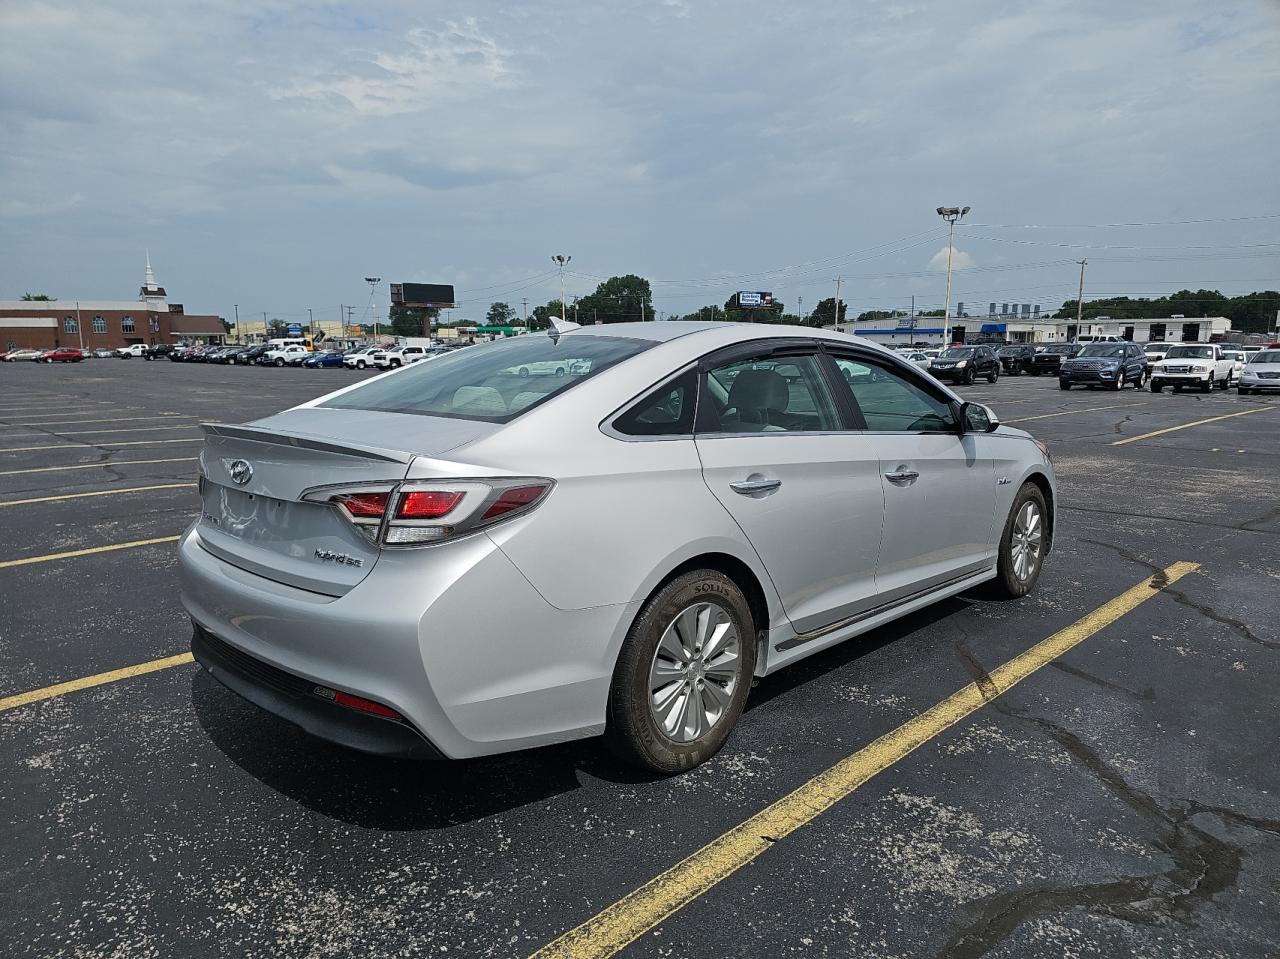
418,513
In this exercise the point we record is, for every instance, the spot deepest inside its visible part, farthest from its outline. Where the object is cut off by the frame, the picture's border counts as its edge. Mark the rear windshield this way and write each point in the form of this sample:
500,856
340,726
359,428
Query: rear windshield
494,382
1190,352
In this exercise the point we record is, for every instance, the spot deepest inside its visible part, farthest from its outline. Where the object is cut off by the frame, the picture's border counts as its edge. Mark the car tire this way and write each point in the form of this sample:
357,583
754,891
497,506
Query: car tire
1226,384
1207,385
1242,391
1119,383
279,361
395,364
995,375
1023,544
360,364
523,371
674,618
969,377
1064,384
1156,386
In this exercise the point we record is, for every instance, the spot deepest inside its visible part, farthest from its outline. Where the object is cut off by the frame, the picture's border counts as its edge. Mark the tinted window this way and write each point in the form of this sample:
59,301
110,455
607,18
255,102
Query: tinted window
957,354
1104,349
890,403
495,381
1190,352
667,411
775,394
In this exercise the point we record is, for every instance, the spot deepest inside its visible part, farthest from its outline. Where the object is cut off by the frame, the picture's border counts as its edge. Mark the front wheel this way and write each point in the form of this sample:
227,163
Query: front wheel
279,362
993,376
1064,384
1022,545
1207,385
969,377
683,674
1242,391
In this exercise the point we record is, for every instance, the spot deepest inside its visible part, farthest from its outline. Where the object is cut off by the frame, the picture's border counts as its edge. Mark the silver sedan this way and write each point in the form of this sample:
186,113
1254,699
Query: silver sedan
482,554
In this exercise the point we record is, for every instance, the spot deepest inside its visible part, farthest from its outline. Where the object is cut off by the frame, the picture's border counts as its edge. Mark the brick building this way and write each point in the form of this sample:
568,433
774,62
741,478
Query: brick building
40,324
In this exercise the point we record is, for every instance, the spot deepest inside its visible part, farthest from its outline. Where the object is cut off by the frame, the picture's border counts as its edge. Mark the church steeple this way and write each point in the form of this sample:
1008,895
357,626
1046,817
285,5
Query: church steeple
151,291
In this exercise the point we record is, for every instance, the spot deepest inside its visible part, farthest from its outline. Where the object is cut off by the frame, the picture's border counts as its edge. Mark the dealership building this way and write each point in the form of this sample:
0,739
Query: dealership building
43,324
907,330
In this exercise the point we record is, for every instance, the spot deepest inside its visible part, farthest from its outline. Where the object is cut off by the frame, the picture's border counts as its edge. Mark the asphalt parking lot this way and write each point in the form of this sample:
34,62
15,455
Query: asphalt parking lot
1122,800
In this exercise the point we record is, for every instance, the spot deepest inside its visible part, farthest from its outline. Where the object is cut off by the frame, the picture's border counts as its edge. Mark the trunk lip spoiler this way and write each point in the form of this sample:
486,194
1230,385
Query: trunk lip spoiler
303,441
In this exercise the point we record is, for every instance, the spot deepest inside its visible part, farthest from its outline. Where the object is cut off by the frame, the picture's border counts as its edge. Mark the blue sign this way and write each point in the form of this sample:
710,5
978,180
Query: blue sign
294,329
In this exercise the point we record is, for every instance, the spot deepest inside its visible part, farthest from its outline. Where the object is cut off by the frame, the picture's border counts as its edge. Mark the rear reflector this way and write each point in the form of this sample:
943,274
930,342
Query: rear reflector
427,504
357,702
513,499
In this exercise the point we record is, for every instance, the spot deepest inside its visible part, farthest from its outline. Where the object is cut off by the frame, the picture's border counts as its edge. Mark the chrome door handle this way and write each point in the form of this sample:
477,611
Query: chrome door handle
902,477
749,487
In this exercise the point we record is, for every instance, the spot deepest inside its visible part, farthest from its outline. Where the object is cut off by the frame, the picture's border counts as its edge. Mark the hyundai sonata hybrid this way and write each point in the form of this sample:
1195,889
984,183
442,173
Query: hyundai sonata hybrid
482,554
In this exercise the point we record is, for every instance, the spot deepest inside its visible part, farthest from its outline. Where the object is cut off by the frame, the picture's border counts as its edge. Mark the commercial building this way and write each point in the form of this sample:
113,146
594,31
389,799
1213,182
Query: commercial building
44,324
906,330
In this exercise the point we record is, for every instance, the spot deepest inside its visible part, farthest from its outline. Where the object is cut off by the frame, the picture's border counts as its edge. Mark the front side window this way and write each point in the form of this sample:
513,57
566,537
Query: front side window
69,325
768,394
126,324
99,325
494,382
891,404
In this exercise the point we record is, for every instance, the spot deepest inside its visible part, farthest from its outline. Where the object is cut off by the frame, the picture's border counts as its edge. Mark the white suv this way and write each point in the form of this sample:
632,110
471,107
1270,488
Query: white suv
398,356
1193,364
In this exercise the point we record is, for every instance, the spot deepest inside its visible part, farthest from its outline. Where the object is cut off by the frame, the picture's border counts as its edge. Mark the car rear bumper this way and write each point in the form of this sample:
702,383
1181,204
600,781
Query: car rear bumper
452,637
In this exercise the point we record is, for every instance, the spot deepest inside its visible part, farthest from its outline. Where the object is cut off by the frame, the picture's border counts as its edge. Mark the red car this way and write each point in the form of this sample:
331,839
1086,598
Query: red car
63,354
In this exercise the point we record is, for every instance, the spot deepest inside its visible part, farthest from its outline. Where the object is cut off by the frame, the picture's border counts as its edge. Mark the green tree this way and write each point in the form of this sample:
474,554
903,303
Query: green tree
619,299
542,316
705,314
824,314
411,320
40,297
277,329
737,314
878,315
500,314
1249,313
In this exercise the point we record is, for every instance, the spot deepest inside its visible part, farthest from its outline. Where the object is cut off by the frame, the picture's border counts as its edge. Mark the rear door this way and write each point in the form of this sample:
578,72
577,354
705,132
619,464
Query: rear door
939,483
804,490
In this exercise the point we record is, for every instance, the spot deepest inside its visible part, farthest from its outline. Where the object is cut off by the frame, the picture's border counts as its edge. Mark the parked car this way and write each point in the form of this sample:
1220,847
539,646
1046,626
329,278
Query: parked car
102,353
360,358
399,356
131,351
1016,358
1262,372
63,354
281,355
1155,352
400,508
1047,361
14,356
1104,363
915,356
964,364
1193,364
327,358
250,355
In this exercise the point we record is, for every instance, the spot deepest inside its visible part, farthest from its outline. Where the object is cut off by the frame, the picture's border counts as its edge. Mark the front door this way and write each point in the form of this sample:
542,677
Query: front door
804,491
939,487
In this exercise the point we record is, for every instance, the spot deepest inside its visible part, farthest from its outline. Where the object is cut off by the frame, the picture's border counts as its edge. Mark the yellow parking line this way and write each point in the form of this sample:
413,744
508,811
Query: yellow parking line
1187,426
95,466
99,679
622,923
1087,409
81,446
101,492
72,554
129,429
109,419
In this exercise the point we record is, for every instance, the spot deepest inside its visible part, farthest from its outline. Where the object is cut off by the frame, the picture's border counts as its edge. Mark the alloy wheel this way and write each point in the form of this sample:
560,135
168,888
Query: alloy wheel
694,672
1025,541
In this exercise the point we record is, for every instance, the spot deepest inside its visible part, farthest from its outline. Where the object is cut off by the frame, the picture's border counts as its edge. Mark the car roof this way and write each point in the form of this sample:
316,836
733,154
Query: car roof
664,331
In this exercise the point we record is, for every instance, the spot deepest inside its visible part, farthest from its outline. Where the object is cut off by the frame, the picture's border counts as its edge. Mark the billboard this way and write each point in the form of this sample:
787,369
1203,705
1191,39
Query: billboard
755,301
423,294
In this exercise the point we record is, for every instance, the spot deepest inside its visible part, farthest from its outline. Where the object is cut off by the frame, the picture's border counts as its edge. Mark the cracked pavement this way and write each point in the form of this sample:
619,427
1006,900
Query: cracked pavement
1124,801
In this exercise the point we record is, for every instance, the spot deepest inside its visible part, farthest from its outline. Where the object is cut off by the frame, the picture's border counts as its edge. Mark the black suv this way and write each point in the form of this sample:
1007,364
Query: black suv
1047,361
964,364
157,350
1016,360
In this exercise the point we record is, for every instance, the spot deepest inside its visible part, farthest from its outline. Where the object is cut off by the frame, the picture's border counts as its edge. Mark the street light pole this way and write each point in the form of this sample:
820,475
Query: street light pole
950,214
1080,297
561,261
373,282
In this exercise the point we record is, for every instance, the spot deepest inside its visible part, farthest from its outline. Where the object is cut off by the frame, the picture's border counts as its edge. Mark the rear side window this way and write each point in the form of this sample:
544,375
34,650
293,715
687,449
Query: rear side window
667,411
494,382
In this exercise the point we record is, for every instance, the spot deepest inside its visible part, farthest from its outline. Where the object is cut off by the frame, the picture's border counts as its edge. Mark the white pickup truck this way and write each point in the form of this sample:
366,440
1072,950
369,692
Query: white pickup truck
399,356
1203,365
285,355
131,351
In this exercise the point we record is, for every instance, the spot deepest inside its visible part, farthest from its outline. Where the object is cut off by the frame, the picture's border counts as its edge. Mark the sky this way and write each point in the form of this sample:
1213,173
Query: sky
270,155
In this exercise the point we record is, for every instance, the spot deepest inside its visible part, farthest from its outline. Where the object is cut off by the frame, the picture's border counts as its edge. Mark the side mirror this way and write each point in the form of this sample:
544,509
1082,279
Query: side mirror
978,418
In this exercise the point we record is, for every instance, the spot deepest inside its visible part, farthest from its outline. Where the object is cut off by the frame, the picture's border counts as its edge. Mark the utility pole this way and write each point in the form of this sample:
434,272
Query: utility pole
524,303
373,282
836,322
1080,296
266,332
800,309
79,328
342,318
311,320
239,332
561,261
950,214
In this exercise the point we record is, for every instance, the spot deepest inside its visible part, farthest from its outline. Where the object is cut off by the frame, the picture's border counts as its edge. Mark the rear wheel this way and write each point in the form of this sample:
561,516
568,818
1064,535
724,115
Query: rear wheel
683,674
1022,545
1226,384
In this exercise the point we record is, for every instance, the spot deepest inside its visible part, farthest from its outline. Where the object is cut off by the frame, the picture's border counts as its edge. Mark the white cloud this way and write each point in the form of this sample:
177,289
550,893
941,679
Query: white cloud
960,260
